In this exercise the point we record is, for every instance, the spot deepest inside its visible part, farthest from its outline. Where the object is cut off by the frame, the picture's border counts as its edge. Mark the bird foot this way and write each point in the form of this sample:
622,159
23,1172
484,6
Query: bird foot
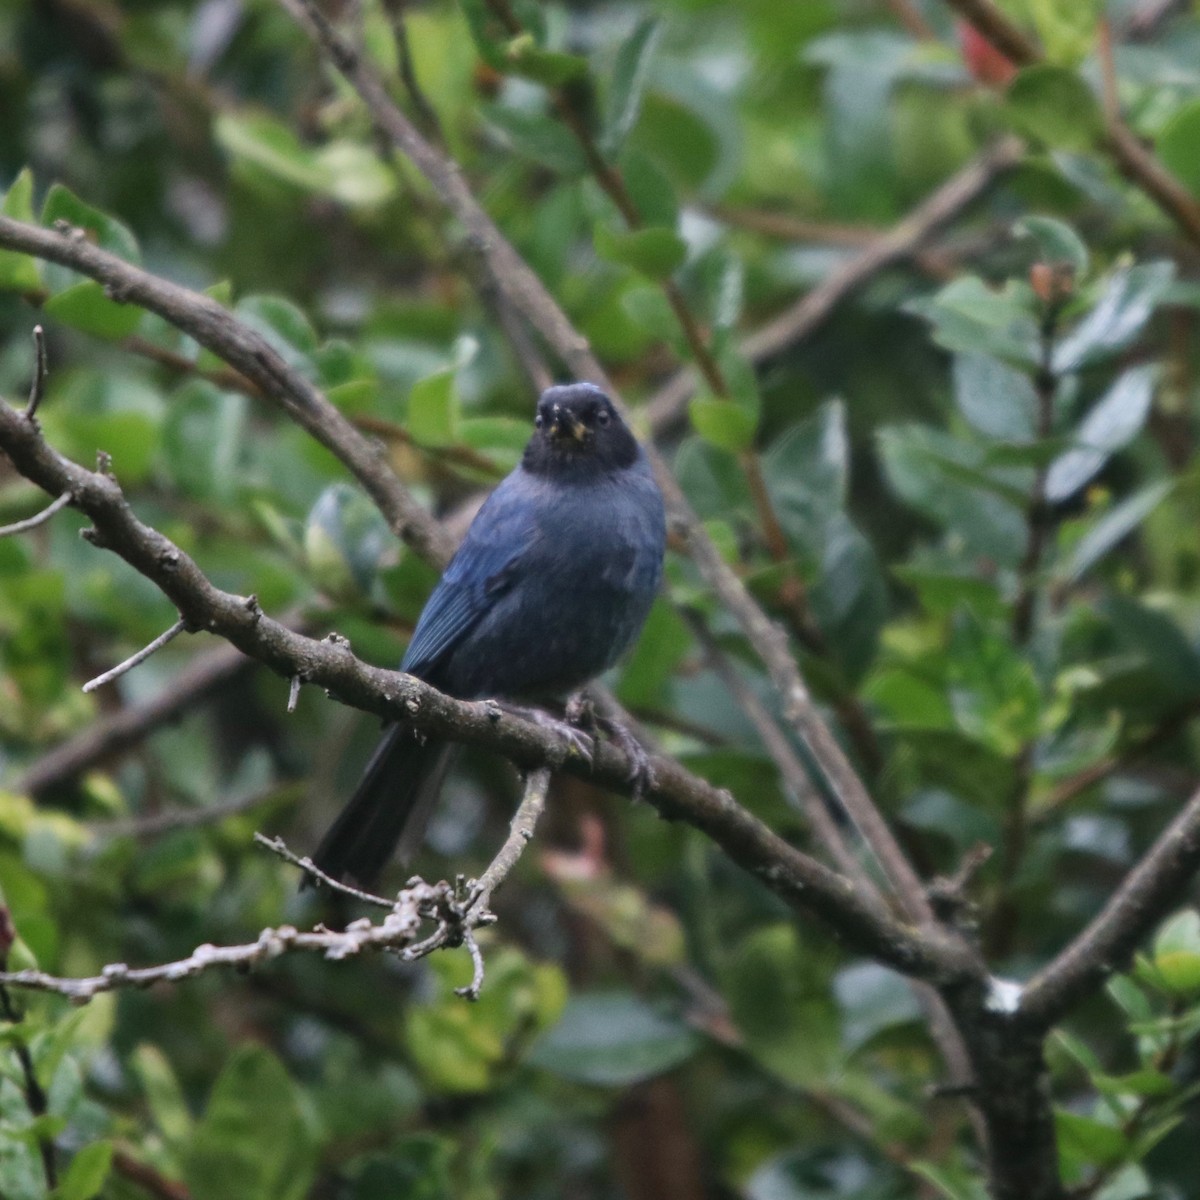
581,712
641,768
577,742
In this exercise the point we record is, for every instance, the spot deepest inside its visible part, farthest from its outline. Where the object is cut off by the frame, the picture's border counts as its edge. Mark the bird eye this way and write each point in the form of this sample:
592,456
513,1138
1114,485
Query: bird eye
602,417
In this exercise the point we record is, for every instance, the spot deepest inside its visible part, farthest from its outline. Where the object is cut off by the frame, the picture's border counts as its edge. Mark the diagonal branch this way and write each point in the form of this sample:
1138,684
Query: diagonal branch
676,794
1137,163
799,320
1146,896
212,326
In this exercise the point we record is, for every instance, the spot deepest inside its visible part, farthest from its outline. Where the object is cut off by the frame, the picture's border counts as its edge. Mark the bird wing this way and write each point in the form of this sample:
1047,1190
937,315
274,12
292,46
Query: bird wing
484,568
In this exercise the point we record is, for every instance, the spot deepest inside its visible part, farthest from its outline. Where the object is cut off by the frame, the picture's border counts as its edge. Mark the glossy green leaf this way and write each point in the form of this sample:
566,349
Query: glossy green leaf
1113,527
723,423
1125,305
433,409
1177,953
1179,146
345,539
612,1039
107,232
1055,106
656,253
525,58
537,136
253,1140
995,398
1114,421
87,1172
19,272
86,307
1057,243
631,73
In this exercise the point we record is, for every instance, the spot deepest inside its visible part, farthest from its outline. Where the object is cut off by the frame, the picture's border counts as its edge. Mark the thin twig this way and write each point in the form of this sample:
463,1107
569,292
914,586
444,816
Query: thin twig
38,387
140,657
799,320
247,352
38,518
1137,163
520,833
157,823
276,845
1145,897
293,693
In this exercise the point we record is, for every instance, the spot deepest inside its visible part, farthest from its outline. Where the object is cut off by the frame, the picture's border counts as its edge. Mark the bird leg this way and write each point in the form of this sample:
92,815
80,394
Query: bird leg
582,712
577,741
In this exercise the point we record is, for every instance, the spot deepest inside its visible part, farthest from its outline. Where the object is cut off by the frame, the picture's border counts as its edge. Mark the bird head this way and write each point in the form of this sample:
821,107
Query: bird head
576,427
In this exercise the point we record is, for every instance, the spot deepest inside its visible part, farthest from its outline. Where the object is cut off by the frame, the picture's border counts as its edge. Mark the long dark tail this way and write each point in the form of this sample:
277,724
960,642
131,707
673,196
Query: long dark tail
389,810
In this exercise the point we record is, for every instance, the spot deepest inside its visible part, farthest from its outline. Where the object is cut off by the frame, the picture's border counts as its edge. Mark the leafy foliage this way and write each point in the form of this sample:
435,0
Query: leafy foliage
981,467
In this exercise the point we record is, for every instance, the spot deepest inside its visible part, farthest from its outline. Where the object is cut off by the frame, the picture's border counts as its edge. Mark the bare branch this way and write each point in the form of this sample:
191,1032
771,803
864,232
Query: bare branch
156,823
1135,161
520,833
38,387
133,660
246,351
1145,897
276,845
798,879
38,518
905,238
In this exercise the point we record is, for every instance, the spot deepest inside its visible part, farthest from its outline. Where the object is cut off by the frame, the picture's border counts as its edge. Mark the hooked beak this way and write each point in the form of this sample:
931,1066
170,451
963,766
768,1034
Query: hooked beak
565,424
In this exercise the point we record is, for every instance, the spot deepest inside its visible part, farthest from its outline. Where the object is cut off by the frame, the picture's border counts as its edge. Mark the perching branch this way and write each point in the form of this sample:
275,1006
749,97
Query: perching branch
800,880
1145,898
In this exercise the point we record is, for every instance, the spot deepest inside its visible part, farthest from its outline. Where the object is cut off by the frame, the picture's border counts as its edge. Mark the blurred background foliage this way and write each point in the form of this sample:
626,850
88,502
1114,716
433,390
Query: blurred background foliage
653,1023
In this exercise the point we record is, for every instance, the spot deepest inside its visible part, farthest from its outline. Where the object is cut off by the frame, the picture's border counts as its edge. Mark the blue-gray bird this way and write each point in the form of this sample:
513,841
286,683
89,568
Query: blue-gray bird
550,586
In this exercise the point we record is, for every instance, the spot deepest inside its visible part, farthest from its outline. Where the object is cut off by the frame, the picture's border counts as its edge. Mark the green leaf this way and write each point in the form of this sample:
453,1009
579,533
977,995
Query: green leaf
163,1094
779,996
872,998
1057,243
1157,638
1179,146
1084,1141
268,143
1055,106
630,75
486,33
995,398
655,252
345,540
433,409
723,423
1177,953
918,462
1113,528
651,191
19,272
1112,423
86,307
107,232
252,1141
849,598
537,136
968,316
806,471
612,1039
284,325
953,1183
1126,304
87,1172
549,67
